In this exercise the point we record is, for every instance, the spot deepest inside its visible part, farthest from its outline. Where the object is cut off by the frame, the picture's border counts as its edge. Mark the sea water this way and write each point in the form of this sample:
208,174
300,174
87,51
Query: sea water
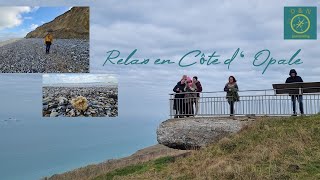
32,147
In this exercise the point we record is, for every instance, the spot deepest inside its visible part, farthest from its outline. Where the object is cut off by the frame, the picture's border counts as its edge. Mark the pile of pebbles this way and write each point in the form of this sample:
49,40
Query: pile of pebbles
29,56
102,101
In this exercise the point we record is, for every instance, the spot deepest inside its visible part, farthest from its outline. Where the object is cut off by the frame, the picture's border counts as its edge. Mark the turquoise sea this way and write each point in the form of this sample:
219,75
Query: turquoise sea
32,147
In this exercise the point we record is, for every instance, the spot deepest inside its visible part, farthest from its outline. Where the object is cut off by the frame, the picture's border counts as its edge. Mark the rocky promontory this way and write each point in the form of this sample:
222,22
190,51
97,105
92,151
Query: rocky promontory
191,133
100,101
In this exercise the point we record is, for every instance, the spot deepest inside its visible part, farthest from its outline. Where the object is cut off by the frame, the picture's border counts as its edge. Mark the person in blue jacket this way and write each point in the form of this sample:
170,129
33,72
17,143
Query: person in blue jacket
294,78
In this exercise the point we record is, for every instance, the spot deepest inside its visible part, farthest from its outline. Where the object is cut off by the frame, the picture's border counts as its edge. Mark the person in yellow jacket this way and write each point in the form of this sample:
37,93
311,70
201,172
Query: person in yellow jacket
48,41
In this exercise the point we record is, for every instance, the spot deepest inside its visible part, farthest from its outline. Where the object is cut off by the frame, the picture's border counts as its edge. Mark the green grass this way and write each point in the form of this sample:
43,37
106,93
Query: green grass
157,165
313,168
276,148
160,163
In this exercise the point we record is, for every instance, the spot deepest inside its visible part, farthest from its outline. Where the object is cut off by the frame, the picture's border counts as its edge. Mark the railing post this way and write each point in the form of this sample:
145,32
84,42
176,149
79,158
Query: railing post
300,91
170,104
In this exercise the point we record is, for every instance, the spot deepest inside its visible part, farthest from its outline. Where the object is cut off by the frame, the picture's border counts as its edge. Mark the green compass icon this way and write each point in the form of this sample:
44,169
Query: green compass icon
300,23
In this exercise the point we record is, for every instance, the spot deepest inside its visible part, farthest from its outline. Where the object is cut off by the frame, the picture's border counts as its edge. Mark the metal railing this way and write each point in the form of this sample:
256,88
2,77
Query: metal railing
252,102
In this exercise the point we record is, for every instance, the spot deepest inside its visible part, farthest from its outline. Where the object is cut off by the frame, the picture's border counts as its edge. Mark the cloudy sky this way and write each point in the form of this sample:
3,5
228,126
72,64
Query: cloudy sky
52,79
168,29
17,21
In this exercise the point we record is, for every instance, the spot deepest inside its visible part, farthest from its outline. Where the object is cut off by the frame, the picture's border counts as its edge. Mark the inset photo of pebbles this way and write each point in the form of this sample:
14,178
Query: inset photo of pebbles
80,95
44,40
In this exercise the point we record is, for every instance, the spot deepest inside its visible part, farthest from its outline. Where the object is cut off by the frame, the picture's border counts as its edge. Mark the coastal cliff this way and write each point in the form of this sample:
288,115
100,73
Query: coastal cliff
73,24
141,156
264,148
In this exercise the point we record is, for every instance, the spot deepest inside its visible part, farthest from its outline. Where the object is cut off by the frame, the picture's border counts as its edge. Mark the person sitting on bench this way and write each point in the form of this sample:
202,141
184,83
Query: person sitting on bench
296,95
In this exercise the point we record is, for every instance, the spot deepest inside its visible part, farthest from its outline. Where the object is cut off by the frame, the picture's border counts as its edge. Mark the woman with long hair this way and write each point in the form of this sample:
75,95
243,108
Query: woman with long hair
232,93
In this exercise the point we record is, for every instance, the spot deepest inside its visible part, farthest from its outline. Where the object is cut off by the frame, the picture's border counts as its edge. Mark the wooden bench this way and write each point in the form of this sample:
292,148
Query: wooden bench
297,88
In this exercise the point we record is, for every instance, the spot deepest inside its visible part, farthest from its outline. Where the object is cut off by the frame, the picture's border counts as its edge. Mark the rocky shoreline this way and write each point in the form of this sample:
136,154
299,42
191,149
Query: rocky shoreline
3,43
101,101
28,56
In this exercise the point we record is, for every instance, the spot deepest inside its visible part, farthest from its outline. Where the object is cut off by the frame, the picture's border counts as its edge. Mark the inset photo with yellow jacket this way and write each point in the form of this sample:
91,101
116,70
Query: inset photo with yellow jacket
44,39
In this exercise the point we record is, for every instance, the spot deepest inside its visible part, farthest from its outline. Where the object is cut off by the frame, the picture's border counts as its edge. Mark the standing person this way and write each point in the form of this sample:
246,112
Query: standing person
232,93
296,94
178,102
199,89
48,39
190,97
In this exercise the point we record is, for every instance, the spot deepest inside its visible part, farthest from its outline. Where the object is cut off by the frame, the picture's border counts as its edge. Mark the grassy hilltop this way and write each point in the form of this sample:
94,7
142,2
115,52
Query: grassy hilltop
277,148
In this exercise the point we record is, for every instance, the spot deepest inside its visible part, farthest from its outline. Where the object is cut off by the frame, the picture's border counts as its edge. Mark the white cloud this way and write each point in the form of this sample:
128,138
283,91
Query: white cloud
35,8
51,79
28,18
169,29
11,16
33,26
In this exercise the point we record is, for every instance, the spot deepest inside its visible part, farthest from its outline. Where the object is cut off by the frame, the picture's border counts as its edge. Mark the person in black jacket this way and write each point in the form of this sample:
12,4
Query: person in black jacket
296,95
178,103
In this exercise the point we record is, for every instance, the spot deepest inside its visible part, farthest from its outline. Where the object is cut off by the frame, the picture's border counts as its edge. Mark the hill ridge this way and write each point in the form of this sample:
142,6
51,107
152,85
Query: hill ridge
72,24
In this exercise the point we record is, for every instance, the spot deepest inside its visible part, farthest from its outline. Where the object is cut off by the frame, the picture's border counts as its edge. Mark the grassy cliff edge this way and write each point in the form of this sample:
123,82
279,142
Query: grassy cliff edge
276,148
270,148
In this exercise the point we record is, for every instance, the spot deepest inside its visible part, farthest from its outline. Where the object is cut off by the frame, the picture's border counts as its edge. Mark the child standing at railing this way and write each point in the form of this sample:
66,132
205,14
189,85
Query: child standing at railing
232,93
